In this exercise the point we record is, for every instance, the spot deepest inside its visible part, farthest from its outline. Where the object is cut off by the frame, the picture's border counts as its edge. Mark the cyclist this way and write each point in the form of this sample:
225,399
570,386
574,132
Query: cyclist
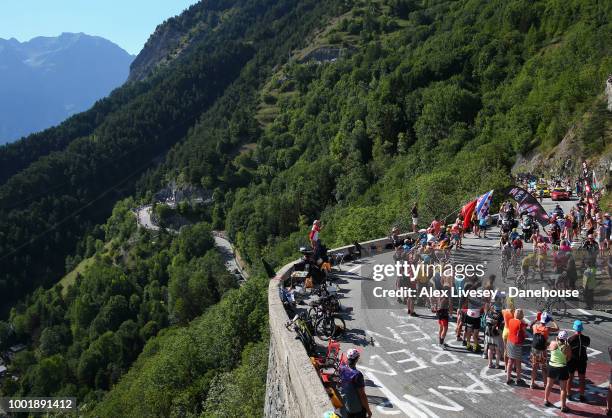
504,239
517,247
541,250
561,257
591,250
527,263
506,249
514,234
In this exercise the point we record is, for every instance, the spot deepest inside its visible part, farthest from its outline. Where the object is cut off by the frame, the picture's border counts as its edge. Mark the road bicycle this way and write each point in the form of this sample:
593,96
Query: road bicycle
504,265
516,263
325,317
303,326
325,304
553,304
520,282
330,325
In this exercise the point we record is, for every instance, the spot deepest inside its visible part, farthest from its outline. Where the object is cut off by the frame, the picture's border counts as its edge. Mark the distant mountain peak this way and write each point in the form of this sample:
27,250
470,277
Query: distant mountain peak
48,78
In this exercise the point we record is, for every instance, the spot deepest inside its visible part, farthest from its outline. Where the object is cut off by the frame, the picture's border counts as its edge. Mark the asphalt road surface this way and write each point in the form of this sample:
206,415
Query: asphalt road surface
408,374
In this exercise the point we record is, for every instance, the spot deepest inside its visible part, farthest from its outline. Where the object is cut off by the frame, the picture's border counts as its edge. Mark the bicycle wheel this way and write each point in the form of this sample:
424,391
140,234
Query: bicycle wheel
504,270
325,327
339,326
560,307
541,304
520,282
307,341
330,327
517,266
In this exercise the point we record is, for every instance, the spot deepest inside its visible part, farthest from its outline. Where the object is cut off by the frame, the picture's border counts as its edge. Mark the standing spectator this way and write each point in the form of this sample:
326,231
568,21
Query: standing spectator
395,239
435,226
352,388
560,354
472,320
457,232
445,307
415,217
607,222
474,222
516,338
538,346
494,345
602,237
315,242
483,226
508,314
578,363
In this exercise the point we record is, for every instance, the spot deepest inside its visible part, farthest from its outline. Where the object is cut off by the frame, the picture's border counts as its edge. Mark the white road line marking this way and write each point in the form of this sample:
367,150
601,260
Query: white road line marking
403,406
582,311
353,269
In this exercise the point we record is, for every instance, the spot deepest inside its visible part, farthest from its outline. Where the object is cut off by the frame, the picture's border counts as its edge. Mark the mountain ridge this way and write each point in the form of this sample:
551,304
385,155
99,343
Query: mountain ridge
46,79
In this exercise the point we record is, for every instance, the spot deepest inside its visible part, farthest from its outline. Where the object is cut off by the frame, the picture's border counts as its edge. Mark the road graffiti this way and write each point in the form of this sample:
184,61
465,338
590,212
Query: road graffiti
477,386
410,357
413,406
410,351
377,359
438,353
395,338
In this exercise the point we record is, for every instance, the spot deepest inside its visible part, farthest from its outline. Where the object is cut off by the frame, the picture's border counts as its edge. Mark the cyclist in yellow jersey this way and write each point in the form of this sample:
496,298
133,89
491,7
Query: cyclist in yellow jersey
527,263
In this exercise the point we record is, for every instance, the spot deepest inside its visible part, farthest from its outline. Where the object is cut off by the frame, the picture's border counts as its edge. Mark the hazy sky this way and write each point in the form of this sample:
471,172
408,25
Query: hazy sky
128,23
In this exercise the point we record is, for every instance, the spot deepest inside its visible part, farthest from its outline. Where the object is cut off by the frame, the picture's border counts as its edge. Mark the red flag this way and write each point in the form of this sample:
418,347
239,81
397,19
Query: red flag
466,212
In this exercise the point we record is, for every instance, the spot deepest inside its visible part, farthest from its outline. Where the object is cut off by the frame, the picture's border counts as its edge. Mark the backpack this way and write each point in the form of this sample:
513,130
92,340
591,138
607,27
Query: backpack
538,342
579,350
348,391
491,325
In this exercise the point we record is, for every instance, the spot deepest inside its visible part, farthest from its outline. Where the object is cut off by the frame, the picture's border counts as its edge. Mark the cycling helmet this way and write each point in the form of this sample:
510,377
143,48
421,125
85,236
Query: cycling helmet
563,335
353,354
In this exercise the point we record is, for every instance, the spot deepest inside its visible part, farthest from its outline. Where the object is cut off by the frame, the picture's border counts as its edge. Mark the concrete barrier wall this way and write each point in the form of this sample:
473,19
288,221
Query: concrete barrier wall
293,388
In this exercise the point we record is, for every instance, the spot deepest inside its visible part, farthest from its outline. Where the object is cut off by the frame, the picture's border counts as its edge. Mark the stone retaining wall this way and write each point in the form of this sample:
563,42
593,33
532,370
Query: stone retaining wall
293,388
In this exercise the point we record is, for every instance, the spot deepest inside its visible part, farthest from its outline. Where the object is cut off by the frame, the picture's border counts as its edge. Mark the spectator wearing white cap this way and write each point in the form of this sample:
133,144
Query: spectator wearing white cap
538,356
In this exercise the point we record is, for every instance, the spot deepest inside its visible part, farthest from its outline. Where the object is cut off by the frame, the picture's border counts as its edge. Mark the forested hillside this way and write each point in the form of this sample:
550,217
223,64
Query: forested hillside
63,194
431,101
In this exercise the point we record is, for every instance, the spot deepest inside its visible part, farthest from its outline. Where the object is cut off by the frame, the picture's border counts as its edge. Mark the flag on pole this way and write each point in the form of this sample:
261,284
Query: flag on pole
466,212
482,205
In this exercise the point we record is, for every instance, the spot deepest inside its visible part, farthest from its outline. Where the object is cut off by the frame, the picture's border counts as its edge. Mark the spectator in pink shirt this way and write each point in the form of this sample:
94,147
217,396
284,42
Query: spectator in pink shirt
435,226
